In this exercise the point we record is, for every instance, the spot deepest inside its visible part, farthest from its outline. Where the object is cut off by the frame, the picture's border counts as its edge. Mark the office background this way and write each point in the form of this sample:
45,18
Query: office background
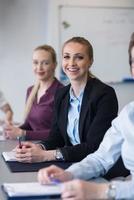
27,24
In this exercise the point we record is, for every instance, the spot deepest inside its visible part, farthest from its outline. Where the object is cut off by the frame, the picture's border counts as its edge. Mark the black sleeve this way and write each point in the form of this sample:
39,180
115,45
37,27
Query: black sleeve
106,109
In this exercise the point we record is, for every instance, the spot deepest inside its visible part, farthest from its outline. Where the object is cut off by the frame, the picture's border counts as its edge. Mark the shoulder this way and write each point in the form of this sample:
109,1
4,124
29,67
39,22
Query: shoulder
29,89
99,84
125,119
57,84
62,92
128,110
98,87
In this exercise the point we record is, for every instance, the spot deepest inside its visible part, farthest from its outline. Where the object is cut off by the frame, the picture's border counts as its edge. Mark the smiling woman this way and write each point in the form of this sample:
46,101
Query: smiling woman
40,97
83,110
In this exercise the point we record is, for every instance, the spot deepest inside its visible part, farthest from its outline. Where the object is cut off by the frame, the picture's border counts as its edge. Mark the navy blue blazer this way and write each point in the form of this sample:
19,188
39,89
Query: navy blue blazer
99,107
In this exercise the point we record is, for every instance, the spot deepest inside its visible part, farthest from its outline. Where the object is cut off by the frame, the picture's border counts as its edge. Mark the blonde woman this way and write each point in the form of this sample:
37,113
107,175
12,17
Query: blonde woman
40,97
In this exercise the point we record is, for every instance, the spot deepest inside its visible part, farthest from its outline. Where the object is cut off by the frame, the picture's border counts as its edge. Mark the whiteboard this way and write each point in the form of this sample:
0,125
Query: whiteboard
108,29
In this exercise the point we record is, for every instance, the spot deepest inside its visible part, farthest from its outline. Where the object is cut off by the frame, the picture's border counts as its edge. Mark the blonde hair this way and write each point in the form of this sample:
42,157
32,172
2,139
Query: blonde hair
35,88
30,99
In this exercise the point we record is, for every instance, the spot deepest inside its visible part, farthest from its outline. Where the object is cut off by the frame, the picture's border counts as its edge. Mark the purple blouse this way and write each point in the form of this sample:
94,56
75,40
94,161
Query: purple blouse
39,119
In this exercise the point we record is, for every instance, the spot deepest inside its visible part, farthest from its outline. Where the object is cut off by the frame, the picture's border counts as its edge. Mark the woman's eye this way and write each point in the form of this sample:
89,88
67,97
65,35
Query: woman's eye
66,57
35,63
45,63
79,57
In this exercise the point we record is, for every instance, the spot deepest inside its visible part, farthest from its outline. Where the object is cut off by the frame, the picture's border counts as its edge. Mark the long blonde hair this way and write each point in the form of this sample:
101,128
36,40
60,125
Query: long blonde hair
35,88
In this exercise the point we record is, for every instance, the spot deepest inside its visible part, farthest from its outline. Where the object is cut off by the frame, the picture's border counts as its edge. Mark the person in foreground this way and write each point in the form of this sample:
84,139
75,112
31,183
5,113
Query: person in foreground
6,108
40,97
118,140
83,110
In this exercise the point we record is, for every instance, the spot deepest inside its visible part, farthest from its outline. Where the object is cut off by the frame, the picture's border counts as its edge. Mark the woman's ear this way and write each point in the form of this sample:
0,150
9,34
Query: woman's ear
90,63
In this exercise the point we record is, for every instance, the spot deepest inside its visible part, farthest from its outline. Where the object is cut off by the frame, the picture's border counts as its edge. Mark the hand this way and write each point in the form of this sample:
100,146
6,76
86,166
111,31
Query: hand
83,190
12,132
46,175
31,152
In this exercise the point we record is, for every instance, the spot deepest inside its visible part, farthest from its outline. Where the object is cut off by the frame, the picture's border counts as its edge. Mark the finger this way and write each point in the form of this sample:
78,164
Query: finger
70,198
43,177
26,144
24,160
24,157
57,176
22,152
45,174
69,195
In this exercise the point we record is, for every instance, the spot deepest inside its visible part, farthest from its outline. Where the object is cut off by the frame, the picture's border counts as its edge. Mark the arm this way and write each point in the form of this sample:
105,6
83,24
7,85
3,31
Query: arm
102,160
30,134
101,112
124,189
55,138
12,132
8,112
94,164
37,135
91,190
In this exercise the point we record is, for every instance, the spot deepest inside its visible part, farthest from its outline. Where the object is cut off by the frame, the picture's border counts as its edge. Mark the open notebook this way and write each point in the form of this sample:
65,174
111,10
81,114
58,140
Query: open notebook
31,189
9,156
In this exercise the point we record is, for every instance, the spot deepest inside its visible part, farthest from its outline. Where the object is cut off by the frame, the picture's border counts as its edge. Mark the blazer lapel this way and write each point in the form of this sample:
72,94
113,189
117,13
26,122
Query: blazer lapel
65,108
85,106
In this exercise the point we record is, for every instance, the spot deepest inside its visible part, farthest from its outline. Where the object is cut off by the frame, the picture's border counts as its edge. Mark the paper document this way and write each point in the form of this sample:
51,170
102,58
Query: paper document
31,189
9,156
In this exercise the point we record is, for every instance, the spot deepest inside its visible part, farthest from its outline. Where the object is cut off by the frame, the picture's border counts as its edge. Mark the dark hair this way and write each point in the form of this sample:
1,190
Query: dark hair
82,41
49,49
131,45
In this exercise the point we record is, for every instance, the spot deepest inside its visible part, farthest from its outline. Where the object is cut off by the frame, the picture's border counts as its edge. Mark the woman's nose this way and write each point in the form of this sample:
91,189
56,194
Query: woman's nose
40,65
72,62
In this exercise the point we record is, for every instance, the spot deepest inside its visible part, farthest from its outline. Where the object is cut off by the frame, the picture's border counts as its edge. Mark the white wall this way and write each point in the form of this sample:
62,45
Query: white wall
123,90
23,26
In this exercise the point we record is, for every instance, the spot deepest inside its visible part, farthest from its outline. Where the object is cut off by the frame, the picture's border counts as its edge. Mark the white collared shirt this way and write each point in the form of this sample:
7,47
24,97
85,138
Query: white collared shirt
118,140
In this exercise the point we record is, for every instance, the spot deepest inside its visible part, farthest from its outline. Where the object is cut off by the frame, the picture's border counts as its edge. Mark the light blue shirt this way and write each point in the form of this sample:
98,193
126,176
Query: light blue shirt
73,117
119,140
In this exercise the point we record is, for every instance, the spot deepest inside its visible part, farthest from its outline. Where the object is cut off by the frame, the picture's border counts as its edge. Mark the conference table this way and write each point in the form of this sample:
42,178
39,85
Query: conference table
6,176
